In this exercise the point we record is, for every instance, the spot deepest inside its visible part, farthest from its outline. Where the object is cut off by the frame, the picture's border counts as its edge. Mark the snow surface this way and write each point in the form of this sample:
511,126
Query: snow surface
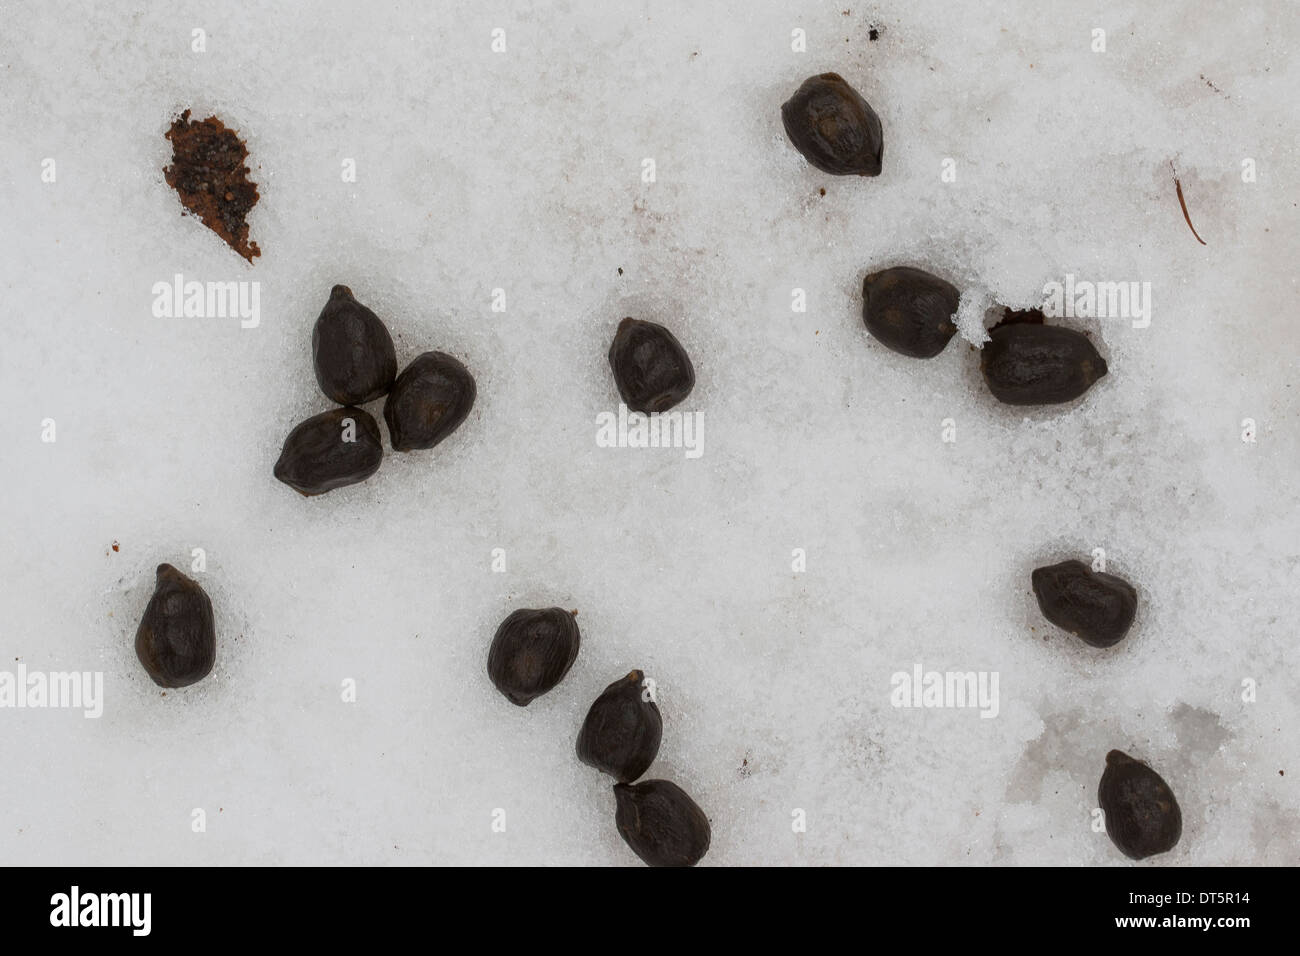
522,171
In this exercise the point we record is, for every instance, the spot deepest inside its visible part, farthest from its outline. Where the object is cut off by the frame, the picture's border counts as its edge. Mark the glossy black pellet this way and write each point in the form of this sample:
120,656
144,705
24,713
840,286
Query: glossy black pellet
621,733
532,651
318,456
661,823
1094,606
352,351
1027,364
651,369
909,310
428,402
1142,815
177,639
833,127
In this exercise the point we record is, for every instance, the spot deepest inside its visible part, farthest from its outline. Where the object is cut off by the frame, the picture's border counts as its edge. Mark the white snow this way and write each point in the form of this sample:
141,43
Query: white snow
522,170
972,309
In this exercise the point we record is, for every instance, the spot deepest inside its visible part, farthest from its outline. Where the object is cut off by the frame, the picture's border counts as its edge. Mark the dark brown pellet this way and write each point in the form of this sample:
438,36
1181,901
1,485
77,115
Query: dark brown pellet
833,127
324,453
1096,607
428,402
651,369
352,351
909,311
1027,364
177,639
621,733
532,651
661,823
1142,816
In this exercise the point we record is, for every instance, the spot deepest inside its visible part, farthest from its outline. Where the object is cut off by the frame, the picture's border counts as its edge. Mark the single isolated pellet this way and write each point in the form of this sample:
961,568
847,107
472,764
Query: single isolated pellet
621,733
532,651
1142,815
651,369
177,639
327,451
1096,607
352,351
909,310
834,127
1029,364
428,402
661,823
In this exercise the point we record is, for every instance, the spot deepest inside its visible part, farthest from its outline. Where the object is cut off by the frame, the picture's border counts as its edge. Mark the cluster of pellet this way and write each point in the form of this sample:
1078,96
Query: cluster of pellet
1026,362
910,311
356,363
530,654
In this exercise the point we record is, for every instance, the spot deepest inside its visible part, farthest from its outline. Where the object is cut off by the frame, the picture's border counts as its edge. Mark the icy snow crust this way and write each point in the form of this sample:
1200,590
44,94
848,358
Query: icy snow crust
522,171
